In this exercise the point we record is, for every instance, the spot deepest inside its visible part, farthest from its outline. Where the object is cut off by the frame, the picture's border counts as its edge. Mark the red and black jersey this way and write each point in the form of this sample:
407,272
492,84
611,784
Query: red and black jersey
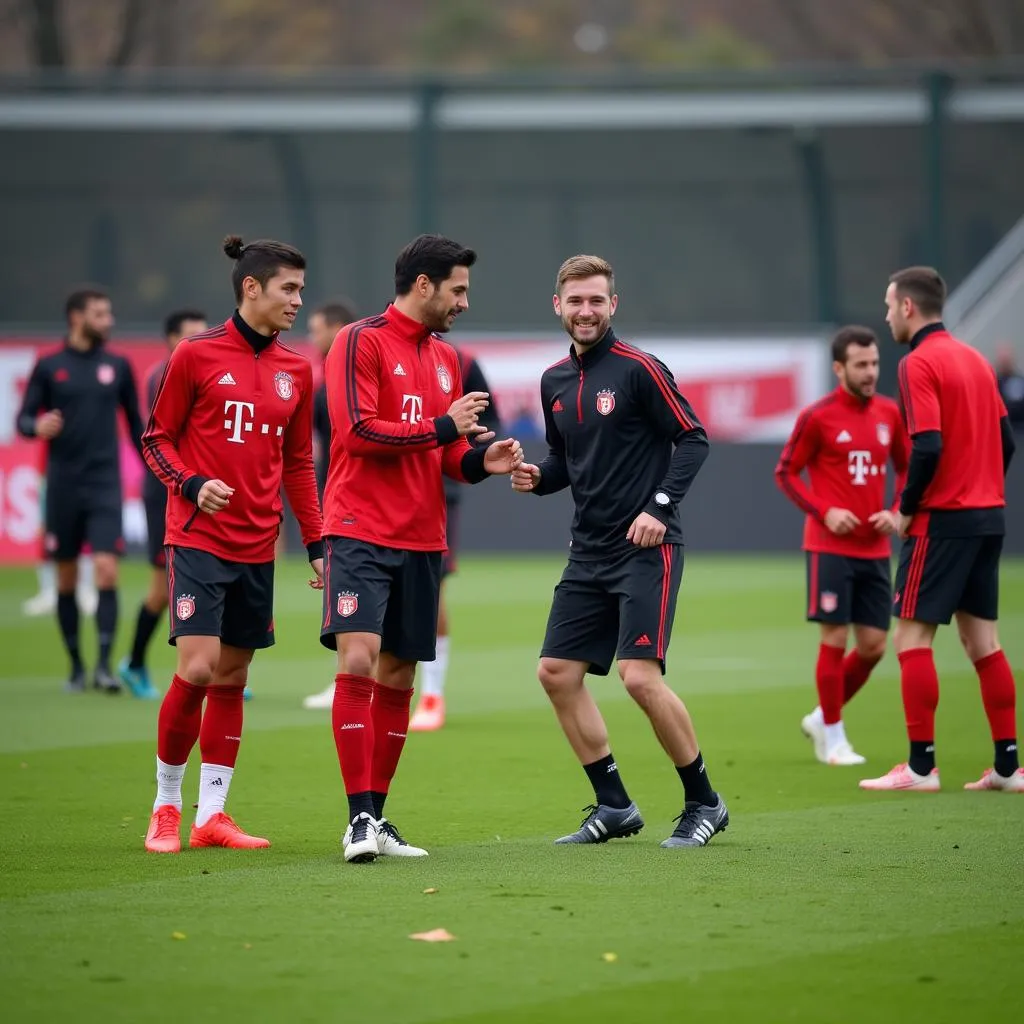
390,383
236,406
845,444
949,388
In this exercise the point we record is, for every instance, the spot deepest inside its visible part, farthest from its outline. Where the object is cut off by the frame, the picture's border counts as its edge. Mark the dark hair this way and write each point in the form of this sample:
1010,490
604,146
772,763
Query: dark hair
923,286
433,255
80,298
854,334
340,312
174,321
261,259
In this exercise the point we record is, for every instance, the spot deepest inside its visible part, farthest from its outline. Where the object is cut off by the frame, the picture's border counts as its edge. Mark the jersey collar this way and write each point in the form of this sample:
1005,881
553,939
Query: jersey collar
851,401
405,327
243,332
927,331
595,352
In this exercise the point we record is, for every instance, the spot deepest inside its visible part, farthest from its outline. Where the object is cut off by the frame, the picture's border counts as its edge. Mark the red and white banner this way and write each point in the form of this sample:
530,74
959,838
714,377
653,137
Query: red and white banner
743,390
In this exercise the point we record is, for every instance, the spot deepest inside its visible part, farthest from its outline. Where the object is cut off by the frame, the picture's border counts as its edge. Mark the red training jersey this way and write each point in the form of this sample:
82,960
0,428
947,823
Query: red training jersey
241,411
950,387
845,444
390,383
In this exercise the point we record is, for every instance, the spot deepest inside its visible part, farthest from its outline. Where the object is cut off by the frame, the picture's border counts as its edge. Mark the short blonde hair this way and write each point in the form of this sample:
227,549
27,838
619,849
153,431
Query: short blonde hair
576,268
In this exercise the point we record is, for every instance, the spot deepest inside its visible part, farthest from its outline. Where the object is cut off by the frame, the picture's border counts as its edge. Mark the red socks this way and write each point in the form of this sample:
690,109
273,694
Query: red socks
856,671
221,732
999,695
352,721
390,713
829,677
920,685
178,723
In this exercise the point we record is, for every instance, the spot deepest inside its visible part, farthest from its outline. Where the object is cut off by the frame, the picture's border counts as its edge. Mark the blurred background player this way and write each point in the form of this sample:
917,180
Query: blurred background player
430,710
71,402
627,443
324,324
233,401
132,670
845,442
1011,386
952,520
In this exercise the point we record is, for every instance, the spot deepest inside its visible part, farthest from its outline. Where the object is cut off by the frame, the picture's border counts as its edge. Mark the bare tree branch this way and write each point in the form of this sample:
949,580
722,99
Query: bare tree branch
131,23
47,38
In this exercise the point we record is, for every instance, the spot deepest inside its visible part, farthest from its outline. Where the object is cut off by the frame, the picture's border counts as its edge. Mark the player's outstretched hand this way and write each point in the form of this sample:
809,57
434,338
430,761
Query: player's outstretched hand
49,424
318,568
214,496
646,531
841,520
503,457
884,522
525,477
465,411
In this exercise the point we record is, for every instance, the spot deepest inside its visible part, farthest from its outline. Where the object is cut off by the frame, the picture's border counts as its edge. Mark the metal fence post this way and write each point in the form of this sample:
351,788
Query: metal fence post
425,159
939,85
823,236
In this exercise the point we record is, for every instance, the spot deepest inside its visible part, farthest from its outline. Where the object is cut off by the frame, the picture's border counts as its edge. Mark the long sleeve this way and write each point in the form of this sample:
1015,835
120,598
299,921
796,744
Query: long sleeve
554,471
1008,442
174,399
129,398
36,400
799,450
925,452
900,456
676,420
298,474
352,374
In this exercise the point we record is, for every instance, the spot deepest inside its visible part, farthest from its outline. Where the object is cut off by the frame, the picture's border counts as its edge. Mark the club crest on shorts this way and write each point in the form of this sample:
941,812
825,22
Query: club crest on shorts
884,437
348,603
185,607
829,602
605,401
284,384
444,378
105,373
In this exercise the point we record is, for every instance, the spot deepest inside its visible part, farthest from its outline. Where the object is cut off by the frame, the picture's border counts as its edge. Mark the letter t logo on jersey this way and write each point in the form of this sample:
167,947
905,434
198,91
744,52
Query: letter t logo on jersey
860,466
236,421
412,408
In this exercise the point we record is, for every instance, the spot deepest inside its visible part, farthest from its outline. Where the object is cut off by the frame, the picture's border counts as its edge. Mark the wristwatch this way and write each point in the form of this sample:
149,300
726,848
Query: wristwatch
662,500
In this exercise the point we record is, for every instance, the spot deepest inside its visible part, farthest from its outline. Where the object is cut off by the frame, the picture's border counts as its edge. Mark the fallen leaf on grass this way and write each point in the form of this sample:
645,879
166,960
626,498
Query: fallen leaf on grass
178,935
609,958
429,892
434,935
247,945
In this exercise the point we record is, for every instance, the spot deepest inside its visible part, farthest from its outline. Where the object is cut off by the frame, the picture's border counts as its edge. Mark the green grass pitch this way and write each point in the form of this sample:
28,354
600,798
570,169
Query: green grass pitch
819,904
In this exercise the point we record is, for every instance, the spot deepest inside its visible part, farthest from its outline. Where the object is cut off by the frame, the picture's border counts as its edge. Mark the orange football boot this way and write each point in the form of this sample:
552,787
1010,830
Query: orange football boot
164,830
220,830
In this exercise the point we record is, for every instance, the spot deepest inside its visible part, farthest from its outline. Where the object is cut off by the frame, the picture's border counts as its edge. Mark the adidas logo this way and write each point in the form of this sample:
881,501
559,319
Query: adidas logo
399,370
227,379
703,831
557,406
843,437
352,725
643,640
217,781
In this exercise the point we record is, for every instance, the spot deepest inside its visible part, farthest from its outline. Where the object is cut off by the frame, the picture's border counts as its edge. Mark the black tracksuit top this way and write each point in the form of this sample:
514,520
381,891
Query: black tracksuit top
621,436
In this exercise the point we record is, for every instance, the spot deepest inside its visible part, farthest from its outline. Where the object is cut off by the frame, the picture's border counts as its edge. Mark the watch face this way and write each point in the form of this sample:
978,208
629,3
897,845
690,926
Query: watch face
661,498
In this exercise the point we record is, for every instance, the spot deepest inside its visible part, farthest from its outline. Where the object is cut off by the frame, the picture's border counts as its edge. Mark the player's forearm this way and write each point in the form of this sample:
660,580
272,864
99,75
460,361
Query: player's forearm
793,487
1009,442
160,454
925,452
554,475
689,455
300,485
26,424
387,437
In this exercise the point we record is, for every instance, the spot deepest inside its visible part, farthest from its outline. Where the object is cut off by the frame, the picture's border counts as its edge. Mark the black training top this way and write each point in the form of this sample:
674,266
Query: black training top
623,438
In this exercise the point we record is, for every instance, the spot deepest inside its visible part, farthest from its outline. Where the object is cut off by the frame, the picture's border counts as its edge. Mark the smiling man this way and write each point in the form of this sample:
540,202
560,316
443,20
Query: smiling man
232,421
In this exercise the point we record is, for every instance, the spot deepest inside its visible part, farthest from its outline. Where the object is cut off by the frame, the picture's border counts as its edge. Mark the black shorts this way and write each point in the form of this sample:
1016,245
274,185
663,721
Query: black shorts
841,590
209,596
450,562
156,519
939,576
622,607
387,591
77,515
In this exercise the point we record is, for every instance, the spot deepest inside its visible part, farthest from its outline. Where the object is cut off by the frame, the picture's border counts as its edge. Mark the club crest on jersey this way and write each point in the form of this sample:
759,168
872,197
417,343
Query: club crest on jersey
884,437
348,603
105,373
605,401
444,378
829,602
284,384
185,607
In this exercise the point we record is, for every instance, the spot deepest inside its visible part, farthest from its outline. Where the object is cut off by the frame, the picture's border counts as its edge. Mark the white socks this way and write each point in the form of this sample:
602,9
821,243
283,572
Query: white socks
46,573
434,672
214,782
168,784
817,718
86,572
835,735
